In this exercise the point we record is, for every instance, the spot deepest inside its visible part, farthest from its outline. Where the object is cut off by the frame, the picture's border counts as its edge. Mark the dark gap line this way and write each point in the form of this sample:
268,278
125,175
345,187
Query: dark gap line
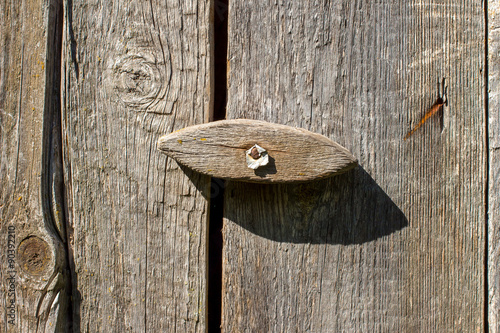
220,59
487,169
66,30
52,177
71,282
215,223
215,243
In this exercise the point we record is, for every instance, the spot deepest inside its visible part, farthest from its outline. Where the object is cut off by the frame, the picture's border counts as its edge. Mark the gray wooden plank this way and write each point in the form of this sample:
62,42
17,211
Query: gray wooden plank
33,269
396,245
494,166
132,72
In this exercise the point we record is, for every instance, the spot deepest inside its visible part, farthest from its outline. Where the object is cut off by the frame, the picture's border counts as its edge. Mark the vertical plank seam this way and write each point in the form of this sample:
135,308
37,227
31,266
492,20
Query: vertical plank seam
19,118
219,71
486,170
52,176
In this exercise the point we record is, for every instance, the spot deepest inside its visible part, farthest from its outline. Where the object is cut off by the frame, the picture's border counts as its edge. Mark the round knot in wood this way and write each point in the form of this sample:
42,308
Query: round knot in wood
137,80
34,255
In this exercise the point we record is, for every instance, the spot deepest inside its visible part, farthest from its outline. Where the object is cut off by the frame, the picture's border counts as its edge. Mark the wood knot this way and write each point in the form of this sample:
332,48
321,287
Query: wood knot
34,255
139,82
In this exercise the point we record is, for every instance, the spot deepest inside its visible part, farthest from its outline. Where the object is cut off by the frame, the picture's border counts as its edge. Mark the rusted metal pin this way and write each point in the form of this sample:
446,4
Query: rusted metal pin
441,100
254,152
256,157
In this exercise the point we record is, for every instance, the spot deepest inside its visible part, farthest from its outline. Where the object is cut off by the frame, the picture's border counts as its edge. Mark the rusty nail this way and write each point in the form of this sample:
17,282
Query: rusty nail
256,157
255,153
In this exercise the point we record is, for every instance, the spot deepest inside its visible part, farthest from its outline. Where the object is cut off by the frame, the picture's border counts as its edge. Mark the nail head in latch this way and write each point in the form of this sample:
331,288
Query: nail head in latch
256,157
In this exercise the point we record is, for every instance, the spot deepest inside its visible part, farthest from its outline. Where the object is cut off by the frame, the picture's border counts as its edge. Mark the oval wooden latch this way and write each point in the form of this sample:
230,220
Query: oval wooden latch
256,151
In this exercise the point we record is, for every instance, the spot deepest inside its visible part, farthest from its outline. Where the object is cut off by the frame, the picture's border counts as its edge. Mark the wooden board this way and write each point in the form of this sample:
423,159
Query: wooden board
396,245
132,72
223,149
33,295
494,166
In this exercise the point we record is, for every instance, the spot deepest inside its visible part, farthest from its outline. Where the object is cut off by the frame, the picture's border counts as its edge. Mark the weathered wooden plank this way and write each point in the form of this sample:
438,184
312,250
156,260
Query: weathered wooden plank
33,295
135,70
396,245
229,149
494,166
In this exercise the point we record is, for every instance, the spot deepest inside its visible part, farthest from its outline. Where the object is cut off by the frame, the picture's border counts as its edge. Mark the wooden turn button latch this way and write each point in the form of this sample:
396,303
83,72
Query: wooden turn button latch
256,151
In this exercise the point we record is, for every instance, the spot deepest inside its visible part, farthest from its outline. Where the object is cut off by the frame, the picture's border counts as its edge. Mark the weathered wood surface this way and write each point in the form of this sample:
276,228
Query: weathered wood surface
396,245
134,70
33,295
494,166
220,149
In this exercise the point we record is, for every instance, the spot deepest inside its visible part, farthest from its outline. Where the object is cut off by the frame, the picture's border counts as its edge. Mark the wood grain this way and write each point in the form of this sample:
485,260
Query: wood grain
219,149
396,245
134,70
33,288
493,138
